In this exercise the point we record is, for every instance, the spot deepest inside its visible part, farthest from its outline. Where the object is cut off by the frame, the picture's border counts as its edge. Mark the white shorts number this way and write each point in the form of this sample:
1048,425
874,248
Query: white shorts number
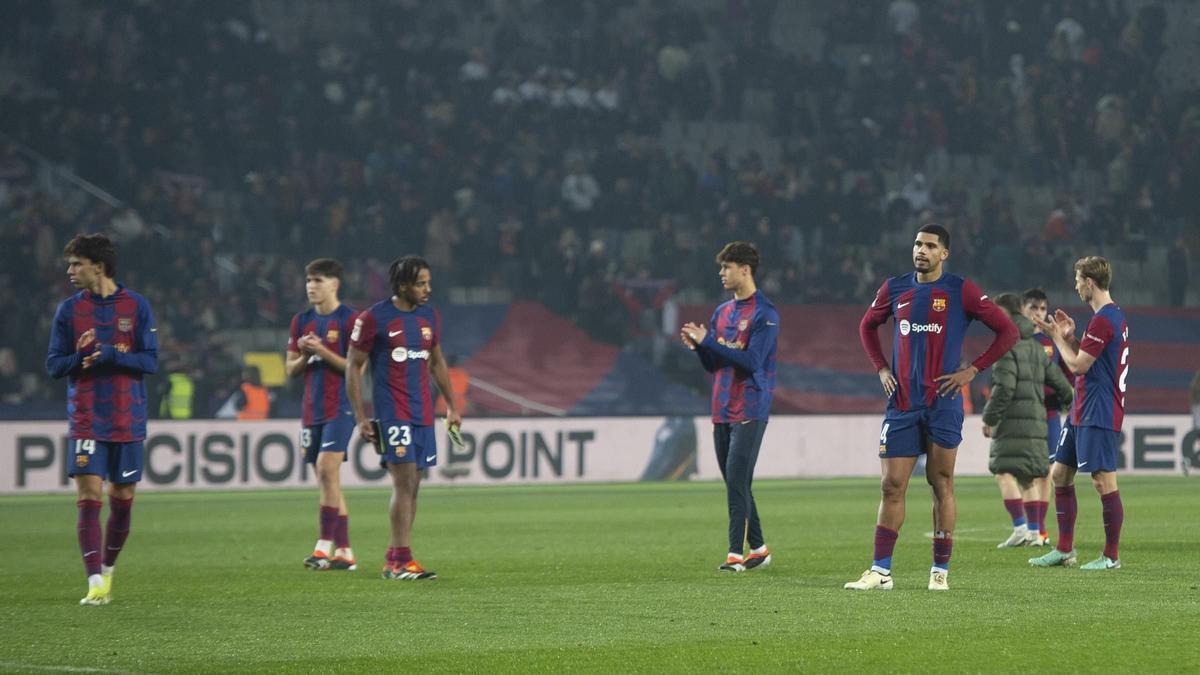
305,437
883,434
82,446
400,436
1062,436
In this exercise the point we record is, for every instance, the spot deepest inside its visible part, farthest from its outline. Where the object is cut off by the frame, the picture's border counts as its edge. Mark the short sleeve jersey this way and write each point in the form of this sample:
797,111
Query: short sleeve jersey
324,387
1100,392
107,402
399,344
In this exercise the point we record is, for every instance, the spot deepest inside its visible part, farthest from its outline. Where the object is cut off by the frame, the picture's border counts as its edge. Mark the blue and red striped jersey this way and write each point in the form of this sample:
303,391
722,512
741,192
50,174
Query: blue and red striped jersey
931,321
324,386
1100,392
739,350
106,402
1056,360
399,344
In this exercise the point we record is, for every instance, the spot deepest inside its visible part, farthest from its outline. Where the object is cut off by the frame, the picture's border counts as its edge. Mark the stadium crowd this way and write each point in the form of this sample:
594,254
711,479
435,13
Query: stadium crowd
518,146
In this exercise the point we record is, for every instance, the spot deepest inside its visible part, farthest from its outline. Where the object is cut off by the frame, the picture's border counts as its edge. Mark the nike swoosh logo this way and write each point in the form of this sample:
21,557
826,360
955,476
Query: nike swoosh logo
772,323
127,474
903,305
1089,336
153,330
431,458
90,553
394,333
326,445
1082,464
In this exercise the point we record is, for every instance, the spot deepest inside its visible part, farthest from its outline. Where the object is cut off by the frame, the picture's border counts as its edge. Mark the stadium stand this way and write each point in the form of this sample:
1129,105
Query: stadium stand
549,157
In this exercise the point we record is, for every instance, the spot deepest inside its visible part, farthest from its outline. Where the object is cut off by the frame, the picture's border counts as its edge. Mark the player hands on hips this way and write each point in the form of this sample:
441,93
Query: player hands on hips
401,339
931,310
103,341
316,349
1092,437
739,351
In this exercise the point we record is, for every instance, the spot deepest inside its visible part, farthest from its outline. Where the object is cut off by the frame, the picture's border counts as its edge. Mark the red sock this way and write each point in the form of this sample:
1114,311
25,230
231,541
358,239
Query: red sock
1031,515
885,543
116,531
1013,506
329,517
341,534
88,529
1066,507
399,554
942,546
1043,509
1114,514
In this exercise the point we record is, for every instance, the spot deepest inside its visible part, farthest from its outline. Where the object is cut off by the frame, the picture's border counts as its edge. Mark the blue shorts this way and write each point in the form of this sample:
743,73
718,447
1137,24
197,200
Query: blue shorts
331,436
112,461
405,443
1053,432
905,433
1088,449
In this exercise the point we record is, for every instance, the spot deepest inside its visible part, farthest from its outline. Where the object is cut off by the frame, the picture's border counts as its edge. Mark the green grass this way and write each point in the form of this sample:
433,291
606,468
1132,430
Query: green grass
607,578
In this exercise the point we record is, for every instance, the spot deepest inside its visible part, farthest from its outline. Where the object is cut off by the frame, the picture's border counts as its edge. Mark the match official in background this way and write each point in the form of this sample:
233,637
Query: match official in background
1015,420
104,341
739,351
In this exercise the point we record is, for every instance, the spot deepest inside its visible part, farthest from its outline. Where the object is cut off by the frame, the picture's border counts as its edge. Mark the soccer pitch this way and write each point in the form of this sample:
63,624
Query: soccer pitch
606,578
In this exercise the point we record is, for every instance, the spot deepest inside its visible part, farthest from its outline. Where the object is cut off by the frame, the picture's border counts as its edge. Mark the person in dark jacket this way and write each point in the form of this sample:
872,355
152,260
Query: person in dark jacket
1015,419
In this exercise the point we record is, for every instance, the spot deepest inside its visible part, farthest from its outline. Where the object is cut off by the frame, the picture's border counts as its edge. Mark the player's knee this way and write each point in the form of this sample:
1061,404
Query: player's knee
892,488
941,482
1061,476
1104,481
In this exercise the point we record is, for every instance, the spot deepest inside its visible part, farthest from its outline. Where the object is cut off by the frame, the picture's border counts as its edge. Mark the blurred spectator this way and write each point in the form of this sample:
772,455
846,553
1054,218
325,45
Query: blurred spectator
518,154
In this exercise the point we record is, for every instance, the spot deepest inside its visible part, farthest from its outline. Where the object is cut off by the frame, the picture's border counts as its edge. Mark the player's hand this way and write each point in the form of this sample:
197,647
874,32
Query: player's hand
91,359
1064,323
887,380
87,338
453,418
953,382
308,343
695,331
367,431
687,340
987,431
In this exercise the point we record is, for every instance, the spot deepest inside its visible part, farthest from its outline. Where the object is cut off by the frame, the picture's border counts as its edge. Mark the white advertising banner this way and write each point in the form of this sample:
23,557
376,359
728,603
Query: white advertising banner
220,454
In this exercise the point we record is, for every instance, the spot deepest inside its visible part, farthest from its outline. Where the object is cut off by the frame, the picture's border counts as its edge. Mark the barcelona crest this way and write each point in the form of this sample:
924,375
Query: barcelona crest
81,460
124,324
939,304
332,335
401,450
1049,351
426,333
743,324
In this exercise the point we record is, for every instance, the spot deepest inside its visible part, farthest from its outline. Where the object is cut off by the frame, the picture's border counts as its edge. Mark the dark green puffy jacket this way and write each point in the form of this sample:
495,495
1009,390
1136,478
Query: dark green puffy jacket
1017,409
